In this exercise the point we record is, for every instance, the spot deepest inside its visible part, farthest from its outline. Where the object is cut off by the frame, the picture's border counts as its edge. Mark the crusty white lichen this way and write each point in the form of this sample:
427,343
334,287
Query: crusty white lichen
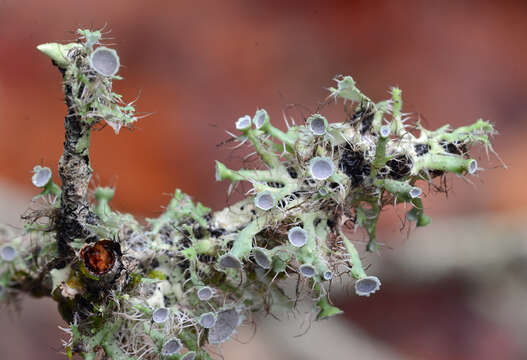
191,276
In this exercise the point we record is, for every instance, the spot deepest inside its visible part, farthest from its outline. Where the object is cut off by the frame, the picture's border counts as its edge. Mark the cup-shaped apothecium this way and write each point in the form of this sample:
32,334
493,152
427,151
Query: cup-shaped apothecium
105,61
321,168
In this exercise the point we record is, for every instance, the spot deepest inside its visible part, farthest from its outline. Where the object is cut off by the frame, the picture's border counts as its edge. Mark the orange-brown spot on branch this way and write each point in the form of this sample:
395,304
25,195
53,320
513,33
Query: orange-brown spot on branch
98,258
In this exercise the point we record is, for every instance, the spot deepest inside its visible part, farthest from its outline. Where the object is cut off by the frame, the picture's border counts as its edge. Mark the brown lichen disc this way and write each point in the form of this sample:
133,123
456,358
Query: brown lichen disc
98,258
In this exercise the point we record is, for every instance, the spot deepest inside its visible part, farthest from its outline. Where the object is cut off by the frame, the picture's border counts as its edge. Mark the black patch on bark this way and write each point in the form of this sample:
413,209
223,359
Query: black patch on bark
292,172
398,167
366,123
421,149
353,164
455,148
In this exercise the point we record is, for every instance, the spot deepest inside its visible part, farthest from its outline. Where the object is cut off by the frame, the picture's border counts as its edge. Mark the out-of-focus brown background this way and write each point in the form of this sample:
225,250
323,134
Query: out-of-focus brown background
453,291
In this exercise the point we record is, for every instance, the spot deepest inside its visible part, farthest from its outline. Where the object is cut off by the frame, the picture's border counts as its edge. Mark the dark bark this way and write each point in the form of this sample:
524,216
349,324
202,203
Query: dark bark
75,173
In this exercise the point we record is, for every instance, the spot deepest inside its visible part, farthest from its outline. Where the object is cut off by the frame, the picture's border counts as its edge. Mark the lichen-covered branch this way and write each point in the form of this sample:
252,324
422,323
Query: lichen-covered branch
189,278
74,165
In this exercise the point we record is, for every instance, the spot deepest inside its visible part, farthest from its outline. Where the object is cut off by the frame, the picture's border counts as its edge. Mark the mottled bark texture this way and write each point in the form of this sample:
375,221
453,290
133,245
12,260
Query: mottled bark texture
75,172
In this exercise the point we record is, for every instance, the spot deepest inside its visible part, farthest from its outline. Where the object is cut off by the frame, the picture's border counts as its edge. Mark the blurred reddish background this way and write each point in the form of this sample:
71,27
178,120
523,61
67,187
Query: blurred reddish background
198,66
